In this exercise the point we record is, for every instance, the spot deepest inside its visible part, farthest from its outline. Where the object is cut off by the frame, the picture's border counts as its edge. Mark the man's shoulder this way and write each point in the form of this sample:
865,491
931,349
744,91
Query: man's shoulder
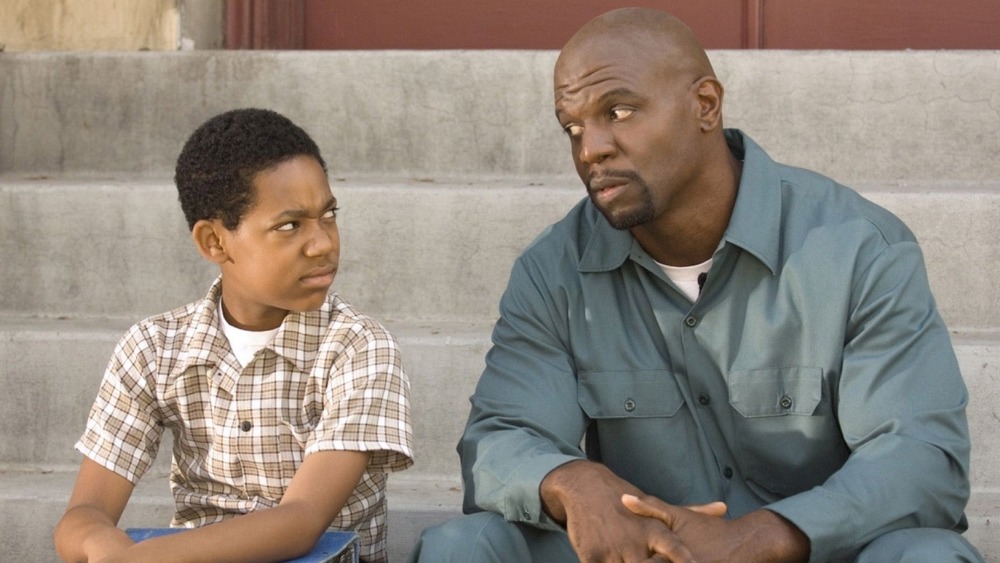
566,238
834,204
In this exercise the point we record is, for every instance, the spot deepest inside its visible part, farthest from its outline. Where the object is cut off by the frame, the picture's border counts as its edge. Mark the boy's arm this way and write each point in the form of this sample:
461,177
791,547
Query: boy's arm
317,492
87,531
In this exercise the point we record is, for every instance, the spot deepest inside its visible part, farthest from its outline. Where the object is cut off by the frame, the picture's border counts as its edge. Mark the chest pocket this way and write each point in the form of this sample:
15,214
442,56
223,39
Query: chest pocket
787,437
639,429
628,394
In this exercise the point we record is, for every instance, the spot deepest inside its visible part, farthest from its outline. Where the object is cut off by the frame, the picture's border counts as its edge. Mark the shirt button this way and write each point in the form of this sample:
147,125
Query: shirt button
786,402
728,472
691,321
246,426
703,399
629,405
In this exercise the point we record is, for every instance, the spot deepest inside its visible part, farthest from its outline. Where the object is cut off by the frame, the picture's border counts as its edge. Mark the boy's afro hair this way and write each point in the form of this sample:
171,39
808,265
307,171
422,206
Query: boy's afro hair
218,164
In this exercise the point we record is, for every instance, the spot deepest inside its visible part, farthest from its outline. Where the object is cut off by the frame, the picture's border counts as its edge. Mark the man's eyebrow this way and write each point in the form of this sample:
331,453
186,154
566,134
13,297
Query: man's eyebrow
299,213
620,92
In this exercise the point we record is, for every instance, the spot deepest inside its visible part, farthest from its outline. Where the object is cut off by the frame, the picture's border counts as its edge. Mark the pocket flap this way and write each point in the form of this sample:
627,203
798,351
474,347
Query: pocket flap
776,391
628,394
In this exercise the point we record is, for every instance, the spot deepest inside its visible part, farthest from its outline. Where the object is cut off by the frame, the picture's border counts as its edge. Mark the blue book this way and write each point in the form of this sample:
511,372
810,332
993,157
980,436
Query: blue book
332,547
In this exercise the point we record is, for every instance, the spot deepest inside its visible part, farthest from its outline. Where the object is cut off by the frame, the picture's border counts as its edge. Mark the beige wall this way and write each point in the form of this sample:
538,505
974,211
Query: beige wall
110,25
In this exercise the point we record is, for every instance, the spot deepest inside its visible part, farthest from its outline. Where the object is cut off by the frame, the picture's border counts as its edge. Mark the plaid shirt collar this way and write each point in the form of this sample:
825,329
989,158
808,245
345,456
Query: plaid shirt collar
205,344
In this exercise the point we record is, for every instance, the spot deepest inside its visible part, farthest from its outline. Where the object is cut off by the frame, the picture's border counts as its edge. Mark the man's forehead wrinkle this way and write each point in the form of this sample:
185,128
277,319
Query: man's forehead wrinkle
575,84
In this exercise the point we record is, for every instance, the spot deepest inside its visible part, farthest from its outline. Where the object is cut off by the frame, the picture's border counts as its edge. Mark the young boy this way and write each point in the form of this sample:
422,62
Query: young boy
279,395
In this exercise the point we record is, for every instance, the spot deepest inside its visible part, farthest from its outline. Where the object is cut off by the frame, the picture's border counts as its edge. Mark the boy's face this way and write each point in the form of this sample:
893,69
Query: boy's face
284,254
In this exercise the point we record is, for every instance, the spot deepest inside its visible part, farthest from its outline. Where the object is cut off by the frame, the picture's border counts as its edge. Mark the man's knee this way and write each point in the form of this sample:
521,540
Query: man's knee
486,537
919,545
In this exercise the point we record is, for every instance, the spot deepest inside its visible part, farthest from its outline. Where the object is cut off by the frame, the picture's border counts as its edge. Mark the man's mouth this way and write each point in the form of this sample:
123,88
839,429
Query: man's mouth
605,189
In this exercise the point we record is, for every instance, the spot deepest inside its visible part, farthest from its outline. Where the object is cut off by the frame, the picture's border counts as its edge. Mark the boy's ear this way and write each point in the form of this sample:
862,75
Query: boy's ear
208,237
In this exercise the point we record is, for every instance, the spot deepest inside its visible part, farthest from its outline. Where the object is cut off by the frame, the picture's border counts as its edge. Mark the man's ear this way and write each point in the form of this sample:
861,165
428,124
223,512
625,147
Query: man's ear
208,237
710,92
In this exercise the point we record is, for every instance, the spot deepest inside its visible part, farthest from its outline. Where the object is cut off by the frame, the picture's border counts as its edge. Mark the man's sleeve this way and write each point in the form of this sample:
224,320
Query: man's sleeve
901,406
122,434
525,419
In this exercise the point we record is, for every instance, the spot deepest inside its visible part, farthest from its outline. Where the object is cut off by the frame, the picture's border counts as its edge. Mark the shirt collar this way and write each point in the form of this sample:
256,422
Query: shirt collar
754,225
204,344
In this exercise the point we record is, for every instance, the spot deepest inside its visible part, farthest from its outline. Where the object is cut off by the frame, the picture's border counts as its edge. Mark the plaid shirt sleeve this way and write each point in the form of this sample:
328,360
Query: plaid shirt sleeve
366,402
122,433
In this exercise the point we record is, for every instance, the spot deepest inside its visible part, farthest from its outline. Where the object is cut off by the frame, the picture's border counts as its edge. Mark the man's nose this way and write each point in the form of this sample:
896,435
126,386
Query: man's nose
596,144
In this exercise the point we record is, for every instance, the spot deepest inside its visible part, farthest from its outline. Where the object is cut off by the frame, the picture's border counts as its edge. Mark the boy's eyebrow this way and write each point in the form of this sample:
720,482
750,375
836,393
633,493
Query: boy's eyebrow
299,213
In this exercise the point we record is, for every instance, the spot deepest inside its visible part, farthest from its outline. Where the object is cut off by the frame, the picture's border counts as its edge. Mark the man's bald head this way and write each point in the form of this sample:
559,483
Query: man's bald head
654,36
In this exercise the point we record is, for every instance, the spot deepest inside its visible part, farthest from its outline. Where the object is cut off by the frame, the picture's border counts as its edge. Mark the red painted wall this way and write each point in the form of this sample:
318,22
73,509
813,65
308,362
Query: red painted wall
720,24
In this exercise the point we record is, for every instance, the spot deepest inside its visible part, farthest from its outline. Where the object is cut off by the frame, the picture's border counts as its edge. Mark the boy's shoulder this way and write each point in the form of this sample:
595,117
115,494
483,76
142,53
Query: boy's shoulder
167,335
180,319
342,316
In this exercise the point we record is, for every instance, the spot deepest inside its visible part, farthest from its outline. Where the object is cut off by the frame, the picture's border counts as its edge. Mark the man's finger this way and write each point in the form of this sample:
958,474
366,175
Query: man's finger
653,507
648,506
717,509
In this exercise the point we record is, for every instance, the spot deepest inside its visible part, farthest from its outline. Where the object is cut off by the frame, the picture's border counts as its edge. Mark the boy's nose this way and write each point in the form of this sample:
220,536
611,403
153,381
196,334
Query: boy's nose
323,241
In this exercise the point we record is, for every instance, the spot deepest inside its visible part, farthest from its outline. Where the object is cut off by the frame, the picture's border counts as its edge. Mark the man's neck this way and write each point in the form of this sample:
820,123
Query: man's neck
691,235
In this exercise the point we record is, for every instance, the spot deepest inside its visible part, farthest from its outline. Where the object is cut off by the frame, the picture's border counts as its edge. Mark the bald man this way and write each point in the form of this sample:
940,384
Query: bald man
749,352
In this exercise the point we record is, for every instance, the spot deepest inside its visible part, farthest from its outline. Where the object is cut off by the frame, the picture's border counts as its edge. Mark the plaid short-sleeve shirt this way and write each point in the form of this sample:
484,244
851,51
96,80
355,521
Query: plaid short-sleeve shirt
331,379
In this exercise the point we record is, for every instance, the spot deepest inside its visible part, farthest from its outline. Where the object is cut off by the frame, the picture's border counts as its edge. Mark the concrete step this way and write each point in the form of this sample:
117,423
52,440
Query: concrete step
52,370
438,249
882,116
31,502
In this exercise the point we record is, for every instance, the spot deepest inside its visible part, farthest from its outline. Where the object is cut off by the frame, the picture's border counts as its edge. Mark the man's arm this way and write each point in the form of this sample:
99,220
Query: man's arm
525,419
315,496
901,407
521,447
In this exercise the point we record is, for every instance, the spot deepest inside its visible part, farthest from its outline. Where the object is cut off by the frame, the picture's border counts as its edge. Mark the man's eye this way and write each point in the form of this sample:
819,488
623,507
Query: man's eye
573,130
619,114
330,213
291,225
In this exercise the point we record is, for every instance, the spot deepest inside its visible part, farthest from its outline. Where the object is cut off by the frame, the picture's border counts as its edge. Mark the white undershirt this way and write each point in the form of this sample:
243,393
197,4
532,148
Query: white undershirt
244,343
686,277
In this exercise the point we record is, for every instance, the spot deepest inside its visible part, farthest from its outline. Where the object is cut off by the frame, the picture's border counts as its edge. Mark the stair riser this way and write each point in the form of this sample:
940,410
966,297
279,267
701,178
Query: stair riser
408,251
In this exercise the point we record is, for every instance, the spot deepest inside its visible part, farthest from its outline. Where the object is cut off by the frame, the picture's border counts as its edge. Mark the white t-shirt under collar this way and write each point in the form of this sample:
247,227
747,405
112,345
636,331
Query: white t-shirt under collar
244,343
686,277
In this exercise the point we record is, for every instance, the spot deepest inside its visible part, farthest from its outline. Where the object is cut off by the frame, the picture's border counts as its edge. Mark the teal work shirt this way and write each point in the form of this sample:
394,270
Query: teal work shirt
813,376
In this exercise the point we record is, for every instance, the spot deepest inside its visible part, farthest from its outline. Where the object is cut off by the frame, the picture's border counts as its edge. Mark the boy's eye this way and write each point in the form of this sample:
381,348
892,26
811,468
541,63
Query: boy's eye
618,114
330,213
291,225
573,130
